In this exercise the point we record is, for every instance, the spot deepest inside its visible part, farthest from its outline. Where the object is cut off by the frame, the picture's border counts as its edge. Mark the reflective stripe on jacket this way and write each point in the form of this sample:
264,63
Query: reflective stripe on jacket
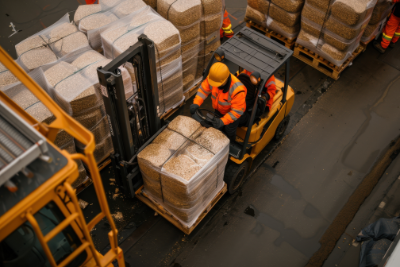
231,104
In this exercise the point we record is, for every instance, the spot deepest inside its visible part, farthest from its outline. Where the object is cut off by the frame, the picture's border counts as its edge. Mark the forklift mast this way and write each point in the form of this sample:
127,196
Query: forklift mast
134,121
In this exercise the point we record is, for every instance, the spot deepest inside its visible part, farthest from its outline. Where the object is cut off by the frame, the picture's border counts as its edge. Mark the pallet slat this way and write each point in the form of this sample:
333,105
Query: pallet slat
287,42
142,196
321,64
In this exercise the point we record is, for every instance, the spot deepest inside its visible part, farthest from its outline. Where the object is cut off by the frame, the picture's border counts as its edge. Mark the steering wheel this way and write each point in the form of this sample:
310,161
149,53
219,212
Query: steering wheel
207,117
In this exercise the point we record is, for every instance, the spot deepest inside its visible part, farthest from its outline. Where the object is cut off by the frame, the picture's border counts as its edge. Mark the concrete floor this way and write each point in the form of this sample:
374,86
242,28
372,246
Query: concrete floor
299,187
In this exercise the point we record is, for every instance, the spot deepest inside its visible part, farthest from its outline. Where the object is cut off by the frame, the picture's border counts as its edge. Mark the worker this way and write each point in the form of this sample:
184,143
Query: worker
269,91
228,97
391,33
226,29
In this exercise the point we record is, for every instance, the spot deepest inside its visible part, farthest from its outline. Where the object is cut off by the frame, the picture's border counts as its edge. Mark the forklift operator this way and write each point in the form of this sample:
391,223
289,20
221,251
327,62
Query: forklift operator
228,99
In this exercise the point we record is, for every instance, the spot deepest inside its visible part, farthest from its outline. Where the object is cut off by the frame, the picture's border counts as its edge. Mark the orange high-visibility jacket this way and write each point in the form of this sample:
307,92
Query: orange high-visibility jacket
226,26
270,85
231,104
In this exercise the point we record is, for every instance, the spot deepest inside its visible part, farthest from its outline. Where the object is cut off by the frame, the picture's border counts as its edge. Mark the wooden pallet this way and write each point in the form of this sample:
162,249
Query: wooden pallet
321,64
142,196
287,42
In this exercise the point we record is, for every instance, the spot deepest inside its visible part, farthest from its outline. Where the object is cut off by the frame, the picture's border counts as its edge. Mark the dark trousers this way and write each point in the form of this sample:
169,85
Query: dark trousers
230,129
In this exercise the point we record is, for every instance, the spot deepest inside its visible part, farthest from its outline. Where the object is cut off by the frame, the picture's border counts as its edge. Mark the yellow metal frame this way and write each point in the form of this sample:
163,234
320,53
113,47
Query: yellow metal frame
282,110
59,186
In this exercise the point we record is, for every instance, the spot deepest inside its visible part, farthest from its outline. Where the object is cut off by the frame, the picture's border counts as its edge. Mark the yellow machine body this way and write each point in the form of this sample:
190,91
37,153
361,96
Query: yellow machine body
57,191
277,113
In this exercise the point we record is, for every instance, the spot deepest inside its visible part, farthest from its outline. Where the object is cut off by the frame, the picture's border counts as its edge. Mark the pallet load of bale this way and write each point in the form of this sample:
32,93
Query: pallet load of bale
333,28
211,23
32,105
183,168
377,21
92,19
119,36
48,45
280,16
186,17
74,85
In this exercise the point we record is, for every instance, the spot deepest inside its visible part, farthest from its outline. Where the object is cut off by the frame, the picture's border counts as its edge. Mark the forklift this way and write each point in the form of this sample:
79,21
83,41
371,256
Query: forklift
41,222
135,122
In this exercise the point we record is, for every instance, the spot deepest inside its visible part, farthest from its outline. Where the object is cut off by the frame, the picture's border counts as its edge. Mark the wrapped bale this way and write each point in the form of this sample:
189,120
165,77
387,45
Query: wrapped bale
381,10
127,7
7,78
150,162
184,125
210,24
284,17
260,5
323,5
189,72
344,31
310,27
333,52
40,113
292,6
256,16
170,139
84,11
352,12
289,32
180,12
313,14
212,7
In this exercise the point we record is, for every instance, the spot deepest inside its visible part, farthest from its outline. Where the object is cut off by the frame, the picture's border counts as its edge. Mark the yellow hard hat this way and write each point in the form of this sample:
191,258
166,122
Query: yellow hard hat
218,74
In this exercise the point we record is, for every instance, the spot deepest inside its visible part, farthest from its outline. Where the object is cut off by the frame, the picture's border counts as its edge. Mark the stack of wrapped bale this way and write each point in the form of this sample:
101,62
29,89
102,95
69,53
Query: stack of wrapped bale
32,105
333,29
211,23
119,36
281,16
186,17
48,45
74,85
183,169
377,21
92,19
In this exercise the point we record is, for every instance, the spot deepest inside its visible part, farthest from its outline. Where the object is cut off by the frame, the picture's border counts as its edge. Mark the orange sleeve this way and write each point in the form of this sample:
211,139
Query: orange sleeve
238,106
202,93
271,90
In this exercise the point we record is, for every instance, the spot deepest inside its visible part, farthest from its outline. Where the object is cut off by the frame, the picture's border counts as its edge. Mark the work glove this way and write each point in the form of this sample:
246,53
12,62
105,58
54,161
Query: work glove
218,123
193,108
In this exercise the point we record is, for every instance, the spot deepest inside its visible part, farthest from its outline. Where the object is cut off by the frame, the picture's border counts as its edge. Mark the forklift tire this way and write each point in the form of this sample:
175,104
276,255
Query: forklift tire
235,175
282,128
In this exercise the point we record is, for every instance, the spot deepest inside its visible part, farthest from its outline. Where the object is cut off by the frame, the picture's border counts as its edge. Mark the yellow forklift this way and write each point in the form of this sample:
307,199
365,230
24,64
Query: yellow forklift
135,122
41,223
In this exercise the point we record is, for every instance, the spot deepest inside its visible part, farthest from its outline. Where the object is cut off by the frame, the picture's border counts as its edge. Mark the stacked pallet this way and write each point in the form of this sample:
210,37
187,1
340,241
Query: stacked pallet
333,29
183,169
93,19
48,45
119,36
186,17
211,23
377,21
280,16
